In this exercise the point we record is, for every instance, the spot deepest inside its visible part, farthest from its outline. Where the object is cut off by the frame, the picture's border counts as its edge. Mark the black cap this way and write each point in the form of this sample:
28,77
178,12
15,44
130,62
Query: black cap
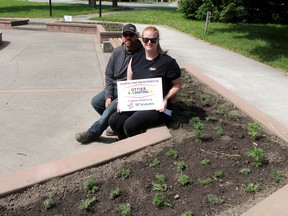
129,28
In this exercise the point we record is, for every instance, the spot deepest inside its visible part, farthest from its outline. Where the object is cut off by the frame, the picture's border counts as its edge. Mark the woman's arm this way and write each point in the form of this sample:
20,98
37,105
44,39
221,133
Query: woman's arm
172,94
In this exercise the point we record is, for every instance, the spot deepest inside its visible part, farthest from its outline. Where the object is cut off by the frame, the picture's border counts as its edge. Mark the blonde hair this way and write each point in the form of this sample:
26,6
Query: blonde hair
154,29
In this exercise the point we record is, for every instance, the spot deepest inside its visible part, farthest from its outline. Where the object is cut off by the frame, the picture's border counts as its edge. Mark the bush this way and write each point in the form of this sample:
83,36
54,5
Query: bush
189,7
257,11
233,13
204,8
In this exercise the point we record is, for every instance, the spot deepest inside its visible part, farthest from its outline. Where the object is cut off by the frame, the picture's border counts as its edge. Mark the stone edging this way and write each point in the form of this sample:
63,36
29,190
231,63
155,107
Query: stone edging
9,23
15,181
88,28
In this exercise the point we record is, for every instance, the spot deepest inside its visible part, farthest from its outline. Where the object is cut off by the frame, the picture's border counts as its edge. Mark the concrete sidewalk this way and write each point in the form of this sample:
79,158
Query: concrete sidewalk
48,79
47,82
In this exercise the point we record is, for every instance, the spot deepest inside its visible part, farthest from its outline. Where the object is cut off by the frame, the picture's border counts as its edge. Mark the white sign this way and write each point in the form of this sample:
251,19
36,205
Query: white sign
141,94
67,18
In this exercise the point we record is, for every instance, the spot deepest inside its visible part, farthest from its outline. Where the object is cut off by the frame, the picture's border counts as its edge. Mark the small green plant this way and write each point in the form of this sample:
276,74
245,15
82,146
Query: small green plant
211,119
49,203
205,181
154,163
180,166
205,162
124,173
214,199
277,176
161,187
187,213
159,200
221,111
221,121
87,203
245,171
258,155
172,154
251,187
115,193
125,209
198,127
184,180
205,98
254,130
219,130
232,117
219,174
161,178
91,185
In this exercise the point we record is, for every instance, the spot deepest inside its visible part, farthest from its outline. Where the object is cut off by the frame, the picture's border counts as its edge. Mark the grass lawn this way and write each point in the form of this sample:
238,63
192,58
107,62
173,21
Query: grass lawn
265,43
23,8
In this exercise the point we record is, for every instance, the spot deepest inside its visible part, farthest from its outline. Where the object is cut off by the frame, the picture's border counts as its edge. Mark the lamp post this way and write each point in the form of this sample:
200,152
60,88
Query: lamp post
100,8
50,7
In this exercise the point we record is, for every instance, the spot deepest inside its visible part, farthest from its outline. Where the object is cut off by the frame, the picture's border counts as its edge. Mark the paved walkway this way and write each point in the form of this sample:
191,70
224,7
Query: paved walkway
48,79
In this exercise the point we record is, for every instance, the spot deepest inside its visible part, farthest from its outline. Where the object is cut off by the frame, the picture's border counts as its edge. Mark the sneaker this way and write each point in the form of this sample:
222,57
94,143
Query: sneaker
110,132
84,137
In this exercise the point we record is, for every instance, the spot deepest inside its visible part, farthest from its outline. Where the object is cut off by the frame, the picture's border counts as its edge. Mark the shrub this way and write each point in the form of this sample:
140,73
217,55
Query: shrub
161,178
277,176
189,8
87,204
258,155
125,209
172,154
91,185
245,171
184,180
49,203
254,130
159,200
115,193
214,199
204,8
154,163
180,166
124,173
187,213
205,162
161,187
205,181
251,187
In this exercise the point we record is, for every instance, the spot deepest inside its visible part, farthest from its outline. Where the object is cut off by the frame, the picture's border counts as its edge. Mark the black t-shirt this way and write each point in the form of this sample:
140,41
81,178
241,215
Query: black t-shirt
162,66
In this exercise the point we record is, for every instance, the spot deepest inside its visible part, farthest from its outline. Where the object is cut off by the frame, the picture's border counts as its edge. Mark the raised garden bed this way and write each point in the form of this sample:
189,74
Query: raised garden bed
72,27
103,30
9,23
209,167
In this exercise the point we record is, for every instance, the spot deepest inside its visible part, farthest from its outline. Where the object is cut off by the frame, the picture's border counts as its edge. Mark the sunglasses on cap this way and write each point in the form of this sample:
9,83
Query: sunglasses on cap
153,40
128,34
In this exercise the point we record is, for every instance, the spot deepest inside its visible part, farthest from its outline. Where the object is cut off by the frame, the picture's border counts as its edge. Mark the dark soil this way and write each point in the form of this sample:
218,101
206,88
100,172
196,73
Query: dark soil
224,141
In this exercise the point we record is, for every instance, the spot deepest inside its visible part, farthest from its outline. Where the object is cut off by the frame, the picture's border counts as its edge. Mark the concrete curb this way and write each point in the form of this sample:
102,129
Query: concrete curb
15,181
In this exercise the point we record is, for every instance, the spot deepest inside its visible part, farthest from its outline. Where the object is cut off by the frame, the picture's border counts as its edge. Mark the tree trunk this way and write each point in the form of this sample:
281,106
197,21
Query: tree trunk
92,3
114,3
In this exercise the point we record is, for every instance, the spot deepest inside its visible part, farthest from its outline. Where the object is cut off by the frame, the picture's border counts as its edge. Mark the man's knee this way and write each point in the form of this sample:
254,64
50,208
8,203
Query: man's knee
98,104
